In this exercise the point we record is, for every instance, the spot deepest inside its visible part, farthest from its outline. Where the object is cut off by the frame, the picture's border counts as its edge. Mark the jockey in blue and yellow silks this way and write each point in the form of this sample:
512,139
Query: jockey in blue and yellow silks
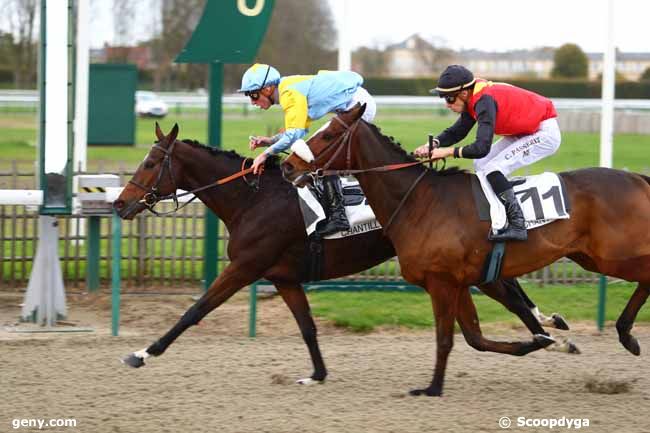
305,98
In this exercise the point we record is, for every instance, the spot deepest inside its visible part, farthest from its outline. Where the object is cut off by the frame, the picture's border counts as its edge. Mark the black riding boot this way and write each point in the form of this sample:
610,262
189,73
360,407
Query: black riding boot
515,229
335,210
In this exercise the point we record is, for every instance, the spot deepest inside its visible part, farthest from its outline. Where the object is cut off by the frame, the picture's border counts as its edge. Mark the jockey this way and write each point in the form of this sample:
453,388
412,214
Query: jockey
305,98
527,122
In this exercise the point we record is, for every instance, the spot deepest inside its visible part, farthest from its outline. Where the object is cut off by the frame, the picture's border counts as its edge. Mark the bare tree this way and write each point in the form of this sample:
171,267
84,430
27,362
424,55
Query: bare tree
123,21
21,20
174,26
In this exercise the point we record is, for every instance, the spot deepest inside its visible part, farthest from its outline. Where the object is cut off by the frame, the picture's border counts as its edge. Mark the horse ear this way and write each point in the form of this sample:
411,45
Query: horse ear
362,110
173,134
356,112
159,133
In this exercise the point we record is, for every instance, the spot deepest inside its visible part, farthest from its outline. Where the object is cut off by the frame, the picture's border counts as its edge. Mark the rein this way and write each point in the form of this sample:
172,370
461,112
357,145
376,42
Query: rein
345,141
152,198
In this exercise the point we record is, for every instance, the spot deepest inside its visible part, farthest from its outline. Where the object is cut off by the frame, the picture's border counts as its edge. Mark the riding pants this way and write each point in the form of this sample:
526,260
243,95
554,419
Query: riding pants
511,153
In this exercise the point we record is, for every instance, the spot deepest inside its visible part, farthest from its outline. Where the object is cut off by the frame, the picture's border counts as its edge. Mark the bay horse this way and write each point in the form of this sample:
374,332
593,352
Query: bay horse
441,244
267,240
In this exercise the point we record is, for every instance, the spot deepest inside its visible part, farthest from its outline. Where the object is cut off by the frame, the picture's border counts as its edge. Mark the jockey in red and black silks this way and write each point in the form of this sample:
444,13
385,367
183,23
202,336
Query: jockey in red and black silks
527,123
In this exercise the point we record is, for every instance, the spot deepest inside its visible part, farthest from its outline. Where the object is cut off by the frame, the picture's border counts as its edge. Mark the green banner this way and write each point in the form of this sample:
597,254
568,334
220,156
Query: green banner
230,31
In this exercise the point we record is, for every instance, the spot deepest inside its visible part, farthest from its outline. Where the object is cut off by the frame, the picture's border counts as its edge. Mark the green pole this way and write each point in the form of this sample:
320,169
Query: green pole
92,255
211,242
602,298
115,274
252,311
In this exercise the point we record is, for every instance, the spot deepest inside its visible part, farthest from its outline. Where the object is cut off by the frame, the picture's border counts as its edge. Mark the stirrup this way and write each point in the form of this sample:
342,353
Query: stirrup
508,233
331,228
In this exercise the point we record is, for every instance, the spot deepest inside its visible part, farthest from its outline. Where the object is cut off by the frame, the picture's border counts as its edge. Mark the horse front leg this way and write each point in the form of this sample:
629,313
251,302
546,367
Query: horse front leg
510,294
444,302
233,278
295,298
469,324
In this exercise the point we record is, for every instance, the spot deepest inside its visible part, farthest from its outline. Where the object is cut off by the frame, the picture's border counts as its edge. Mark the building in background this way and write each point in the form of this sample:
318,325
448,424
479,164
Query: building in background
416,57
628,65
536,63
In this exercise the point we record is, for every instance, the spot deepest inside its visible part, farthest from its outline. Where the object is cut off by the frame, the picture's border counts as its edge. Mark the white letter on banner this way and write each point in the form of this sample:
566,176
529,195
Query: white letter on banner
250,12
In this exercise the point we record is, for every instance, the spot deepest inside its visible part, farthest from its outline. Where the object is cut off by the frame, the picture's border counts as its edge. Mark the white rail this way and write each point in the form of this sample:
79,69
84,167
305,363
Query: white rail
200,100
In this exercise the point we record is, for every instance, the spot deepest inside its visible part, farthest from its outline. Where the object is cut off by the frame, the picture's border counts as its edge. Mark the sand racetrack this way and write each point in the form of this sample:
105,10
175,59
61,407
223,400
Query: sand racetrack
215,379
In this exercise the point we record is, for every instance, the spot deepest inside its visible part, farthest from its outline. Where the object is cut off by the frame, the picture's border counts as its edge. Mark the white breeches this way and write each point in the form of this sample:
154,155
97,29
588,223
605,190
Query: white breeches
513,152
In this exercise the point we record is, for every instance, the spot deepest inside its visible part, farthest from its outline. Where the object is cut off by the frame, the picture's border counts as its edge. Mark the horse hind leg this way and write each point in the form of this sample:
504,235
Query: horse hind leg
626,319
555,320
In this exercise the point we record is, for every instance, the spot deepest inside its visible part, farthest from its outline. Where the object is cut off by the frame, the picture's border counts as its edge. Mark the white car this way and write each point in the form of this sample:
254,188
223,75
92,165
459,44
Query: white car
148,104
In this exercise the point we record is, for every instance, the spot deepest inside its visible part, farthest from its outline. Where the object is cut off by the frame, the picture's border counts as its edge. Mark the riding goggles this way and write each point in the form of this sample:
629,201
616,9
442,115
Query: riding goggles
451,98
255,94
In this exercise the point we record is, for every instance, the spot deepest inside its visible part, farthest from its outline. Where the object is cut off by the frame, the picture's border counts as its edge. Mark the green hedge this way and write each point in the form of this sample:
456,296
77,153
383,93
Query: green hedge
549,88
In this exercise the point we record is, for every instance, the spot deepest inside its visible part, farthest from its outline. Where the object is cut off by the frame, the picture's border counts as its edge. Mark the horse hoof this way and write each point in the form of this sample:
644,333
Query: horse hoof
133,361
429,392
308,381
559,322
571,348
632,345
543,340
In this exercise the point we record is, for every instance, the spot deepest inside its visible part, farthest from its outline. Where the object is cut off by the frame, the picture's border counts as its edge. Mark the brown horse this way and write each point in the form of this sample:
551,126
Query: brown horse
441,244
267,239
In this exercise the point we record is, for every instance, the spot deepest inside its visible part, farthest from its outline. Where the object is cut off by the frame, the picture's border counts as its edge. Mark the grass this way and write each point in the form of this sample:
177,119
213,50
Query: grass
409,126
365,311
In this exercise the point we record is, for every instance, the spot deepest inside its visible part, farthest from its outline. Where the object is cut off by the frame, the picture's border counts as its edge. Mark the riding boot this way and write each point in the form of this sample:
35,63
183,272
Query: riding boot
336,219
515,229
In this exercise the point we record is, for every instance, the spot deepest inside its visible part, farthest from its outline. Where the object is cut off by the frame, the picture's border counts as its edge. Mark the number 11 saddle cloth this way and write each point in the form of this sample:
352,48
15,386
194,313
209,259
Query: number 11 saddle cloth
543,199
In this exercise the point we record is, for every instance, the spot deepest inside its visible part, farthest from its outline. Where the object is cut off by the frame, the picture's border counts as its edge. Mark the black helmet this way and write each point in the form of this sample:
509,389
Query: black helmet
453,79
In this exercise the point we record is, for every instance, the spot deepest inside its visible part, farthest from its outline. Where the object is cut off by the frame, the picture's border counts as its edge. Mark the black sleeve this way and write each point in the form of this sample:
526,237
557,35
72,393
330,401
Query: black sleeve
457,131
486,116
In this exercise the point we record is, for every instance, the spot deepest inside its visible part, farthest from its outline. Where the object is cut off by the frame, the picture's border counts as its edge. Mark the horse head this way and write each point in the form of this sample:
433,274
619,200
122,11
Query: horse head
327,147
153,179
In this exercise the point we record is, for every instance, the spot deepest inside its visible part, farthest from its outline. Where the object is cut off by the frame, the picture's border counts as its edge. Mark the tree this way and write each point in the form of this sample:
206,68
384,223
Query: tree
20,16
646,75
173,26
369,61
123,24
570,62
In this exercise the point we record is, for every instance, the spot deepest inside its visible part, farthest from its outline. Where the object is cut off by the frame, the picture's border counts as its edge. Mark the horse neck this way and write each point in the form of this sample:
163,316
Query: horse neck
384,190
201,168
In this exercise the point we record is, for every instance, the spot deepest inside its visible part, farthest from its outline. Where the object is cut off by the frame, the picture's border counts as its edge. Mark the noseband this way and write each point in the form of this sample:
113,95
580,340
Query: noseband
152,196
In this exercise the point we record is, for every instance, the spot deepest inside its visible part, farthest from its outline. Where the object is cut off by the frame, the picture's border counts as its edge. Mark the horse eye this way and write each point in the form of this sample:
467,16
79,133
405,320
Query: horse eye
148,164
327,136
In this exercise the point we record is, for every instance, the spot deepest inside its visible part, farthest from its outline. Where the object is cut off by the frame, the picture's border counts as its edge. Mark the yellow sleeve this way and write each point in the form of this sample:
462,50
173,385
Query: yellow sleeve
295,109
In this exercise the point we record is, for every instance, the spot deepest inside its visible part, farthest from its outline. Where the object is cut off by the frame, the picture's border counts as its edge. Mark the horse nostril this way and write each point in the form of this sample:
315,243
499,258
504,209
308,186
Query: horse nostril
118,204
288,168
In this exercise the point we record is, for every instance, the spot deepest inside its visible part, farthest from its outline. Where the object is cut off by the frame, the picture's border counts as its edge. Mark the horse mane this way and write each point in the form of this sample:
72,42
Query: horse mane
272,161
409,156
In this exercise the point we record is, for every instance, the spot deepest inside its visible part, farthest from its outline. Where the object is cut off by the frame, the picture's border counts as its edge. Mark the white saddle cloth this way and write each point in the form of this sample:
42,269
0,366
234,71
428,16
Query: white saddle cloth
542,197
360,215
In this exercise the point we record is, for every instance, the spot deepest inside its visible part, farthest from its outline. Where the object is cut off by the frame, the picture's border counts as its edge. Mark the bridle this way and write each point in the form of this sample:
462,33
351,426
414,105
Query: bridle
152,196
345,142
